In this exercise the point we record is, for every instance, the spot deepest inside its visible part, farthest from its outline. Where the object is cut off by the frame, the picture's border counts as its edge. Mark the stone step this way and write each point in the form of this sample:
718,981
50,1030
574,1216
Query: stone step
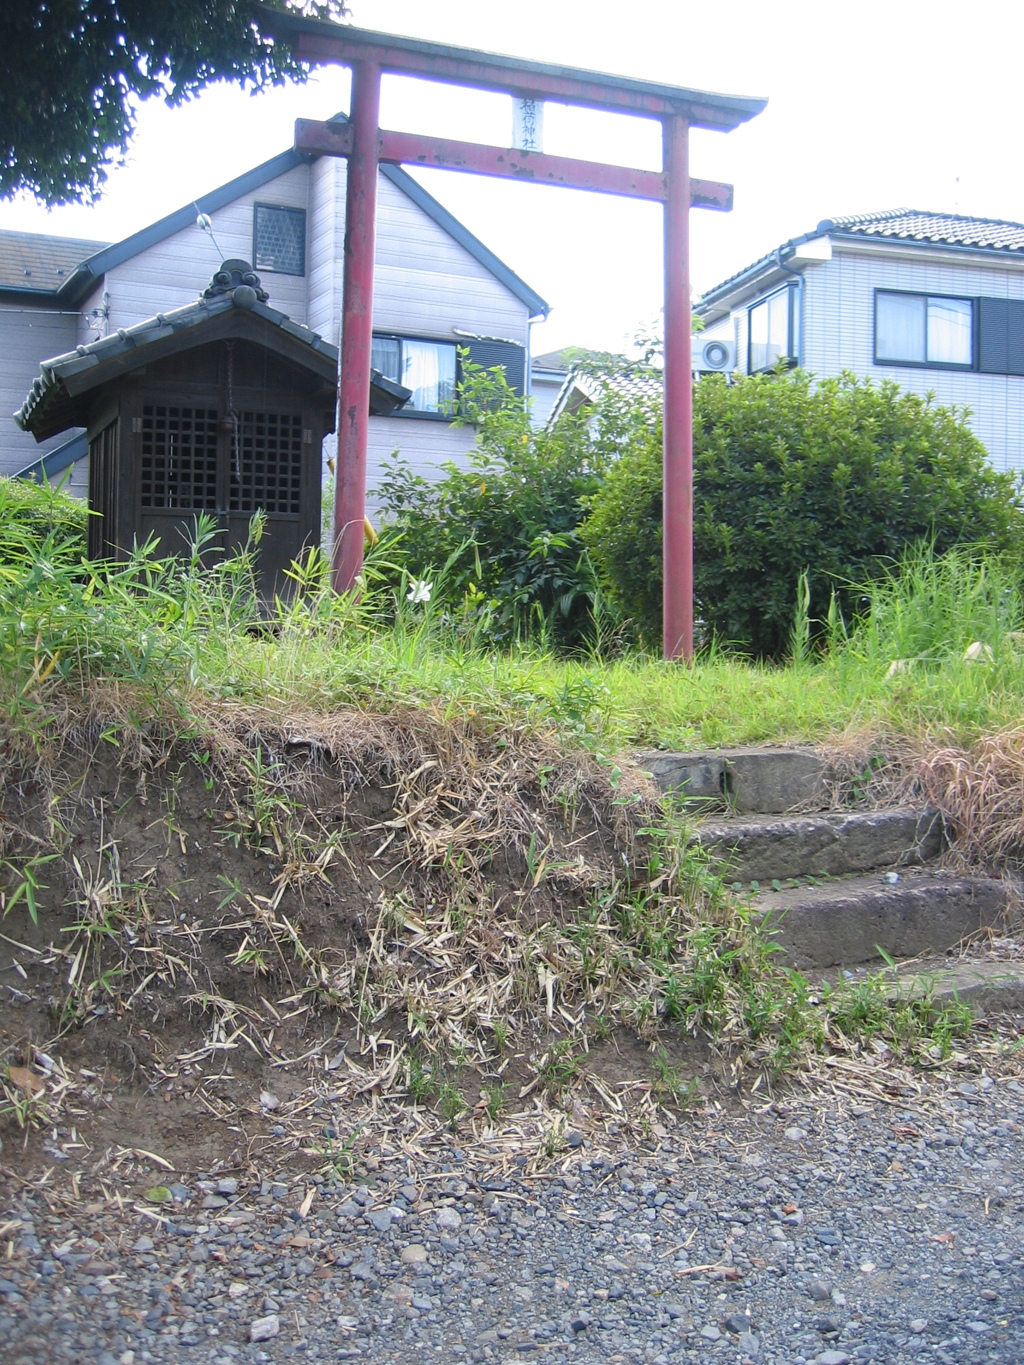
983,982
751,780
982,979
831,844
850,921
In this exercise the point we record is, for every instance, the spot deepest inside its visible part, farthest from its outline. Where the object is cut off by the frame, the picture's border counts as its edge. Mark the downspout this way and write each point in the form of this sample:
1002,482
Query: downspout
798,275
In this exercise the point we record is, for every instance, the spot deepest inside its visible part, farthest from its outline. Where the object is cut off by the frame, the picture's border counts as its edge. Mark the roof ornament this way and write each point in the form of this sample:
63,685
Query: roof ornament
237,277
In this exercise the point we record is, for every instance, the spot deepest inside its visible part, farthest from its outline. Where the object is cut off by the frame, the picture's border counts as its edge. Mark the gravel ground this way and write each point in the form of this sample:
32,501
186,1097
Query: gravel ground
822,1233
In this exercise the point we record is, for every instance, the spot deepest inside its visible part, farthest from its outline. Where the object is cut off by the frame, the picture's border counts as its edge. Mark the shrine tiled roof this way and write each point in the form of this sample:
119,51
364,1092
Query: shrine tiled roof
234,287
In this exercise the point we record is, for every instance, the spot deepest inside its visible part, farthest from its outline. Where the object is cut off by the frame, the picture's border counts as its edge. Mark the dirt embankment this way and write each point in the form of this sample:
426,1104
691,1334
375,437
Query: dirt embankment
227,938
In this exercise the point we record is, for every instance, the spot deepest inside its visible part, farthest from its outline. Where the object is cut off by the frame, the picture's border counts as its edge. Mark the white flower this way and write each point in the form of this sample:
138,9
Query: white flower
419,591
979,653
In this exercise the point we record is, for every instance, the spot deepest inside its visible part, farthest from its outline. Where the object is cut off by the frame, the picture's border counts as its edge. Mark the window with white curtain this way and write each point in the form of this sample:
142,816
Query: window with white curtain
428,368
923,329
772,331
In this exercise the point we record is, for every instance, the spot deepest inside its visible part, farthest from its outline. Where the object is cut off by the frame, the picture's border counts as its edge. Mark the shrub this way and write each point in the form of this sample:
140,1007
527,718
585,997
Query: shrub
834,479
499,538
29,512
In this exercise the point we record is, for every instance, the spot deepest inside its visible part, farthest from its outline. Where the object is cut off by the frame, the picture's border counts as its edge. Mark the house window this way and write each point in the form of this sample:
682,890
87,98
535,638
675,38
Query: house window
772,331
428,368
923,329
279,239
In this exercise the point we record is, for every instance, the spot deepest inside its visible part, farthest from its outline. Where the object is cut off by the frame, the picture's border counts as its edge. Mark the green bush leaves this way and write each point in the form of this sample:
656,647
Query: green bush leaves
834,479
499,538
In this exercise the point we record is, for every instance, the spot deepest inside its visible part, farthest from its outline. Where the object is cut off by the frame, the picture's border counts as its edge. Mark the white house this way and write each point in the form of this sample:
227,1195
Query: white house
548,373
438,288
934,301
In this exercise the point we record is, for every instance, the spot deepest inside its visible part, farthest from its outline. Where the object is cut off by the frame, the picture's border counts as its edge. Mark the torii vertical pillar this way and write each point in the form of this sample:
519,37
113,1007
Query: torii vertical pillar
677,419
357,327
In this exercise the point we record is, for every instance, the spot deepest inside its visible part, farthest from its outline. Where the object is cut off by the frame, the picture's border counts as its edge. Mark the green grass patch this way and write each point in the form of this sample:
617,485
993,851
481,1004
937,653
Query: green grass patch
174,628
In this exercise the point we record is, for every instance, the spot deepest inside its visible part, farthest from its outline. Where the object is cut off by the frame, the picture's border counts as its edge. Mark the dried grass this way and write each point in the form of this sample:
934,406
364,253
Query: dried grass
515,888
977,787
980,791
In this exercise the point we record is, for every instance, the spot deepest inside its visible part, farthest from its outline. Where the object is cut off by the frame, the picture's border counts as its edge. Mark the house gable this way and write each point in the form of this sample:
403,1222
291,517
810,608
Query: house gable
434,279
245,187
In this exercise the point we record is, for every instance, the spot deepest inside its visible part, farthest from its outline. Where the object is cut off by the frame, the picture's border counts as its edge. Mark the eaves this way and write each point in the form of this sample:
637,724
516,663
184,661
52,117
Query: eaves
42,298
91,271
766,273
933,252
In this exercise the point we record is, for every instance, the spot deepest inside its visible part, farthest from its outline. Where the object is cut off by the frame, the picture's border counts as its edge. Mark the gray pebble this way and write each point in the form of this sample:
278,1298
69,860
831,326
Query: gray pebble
586,1251
262,1329
737,1322
379,1219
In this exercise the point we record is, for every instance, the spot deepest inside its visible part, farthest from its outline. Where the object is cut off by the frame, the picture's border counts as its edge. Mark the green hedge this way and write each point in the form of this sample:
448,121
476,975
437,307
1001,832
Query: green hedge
832,478
498,537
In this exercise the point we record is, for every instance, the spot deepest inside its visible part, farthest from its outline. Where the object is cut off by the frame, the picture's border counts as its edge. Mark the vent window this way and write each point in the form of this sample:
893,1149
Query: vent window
279,239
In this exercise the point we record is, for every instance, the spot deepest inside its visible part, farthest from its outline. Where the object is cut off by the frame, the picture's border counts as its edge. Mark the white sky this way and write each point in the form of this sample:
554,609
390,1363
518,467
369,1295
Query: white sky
881,104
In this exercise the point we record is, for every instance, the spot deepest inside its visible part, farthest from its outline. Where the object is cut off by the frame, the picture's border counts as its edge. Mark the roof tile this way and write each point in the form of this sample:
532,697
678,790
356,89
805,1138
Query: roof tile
948,229
32,260
908,225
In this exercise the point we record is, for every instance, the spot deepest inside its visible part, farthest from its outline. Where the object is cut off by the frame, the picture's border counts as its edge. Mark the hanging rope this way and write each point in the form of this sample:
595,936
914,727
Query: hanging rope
232,415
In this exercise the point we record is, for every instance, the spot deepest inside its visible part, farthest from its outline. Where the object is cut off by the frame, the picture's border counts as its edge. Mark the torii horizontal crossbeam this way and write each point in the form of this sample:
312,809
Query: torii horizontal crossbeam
318,41
534,168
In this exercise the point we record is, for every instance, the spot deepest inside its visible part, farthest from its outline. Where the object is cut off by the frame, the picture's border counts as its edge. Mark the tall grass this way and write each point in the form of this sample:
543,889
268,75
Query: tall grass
177,627
931,608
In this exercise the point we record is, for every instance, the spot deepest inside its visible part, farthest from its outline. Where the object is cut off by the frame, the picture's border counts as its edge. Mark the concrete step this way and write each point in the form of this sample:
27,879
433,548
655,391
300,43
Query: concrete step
846,922
832,844
983,982
751,780
983,979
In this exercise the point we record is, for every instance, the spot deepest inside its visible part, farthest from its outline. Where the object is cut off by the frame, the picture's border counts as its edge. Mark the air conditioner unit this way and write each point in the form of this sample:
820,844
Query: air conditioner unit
714,355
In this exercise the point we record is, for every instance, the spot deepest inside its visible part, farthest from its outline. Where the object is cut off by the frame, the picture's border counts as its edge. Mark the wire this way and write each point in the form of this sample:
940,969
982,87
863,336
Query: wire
205,223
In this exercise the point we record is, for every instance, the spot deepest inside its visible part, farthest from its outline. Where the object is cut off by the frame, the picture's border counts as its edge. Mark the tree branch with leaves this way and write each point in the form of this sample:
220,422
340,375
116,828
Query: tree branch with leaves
73,73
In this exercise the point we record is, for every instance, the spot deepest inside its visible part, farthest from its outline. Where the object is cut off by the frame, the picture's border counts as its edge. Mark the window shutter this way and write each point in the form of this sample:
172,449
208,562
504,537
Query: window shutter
1001,336
992,335
510,357
1015,336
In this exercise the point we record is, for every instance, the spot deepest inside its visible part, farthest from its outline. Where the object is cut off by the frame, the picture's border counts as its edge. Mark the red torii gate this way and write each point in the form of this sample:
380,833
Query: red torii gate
365,145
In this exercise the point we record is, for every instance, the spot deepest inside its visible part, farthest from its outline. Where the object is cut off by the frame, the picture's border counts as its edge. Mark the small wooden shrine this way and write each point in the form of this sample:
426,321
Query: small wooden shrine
220,407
